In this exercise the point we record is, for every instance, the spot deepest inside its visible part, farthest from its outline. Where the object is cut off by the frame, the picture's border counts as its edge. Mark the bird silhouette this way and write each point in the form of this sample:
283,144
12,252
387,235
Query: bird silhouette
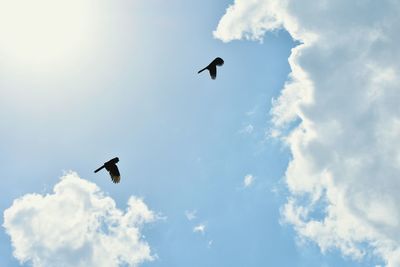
111,167
212,67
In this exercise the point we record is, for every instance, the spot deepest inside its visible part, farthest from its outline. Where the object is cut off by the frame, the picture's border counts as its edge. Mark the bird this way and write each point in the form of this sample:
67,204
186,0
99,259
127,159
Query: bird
212,67
111,167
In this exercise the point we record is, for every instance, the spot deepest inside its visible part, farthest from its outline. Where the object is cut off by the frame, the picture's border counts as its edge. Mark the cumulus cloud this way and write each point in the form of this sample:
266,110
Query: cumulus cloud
343,96
77,225
248,180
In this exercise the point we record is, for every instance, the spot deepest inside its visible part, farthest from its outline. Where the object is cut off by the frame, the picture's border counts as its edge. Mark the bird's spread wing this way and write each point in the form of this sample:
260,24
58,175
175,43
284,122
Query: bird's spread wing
114,173
213,72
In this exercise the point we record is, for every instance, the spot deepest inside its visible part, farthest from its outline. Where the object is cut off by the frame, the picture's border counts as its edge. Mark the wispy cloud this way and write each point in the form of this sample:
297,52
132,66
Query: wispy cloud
200,228
248,180
248,129
77,225
191,214
252,111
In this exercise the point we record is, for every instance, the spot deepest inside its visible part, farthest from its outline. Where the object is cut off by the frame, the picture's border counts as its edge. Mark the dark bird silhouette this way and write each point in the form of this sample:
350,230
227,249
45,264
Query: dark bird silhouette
111,167
212,67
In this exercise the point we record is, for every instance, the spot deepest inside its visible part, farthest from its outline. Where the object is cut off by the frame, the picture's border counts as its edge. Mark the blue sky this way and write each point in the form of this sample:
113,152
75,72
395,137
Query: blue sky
130,89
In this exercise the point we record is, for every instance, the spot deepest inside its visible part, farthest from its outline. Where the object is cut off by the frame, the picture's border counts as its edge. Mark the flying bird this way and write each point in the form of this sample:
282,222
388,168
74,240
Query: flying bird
212,67
111,167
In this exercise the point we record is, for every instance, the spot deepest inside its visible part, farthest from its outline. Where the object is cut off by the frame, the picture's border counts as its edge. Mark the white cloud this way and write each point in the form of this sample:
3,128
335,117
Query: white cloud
343,90
200,228
77,225
248,180
191,214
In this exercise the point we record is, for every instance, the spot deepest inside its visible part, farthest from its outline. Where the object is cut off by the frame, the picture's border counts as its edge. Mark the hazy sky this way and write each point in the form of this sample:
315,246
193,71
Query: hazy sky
289,158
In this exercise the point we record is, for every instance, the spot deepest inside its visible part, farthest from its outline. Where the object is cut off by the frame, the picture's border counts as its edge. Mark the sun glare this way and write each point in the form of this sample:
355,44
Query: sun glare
44,33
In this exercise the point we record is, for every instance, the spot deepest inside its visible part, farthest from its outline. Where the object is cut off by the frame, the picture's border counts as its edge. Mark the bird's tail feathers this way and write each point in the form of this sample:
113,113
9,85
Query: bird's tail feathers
202,70
99,169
